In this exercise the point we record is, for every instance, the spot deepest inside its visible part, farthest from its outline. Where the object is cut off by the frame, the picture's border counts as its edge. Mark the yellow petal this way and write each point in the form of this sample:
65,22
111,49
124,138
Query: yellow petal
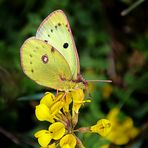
60,96
43,113
53,145
57,130
48,99
66,146
102,127
56,107
128,123
45,139
68,141
78,97
40,133
134,132
68,100
112,115
117,137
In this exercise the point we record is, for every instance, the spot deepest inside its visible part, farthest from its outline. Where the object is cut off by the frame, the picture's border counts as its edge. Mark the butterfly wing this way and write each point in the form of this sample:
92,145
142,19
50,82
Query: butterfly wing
45,65
55,30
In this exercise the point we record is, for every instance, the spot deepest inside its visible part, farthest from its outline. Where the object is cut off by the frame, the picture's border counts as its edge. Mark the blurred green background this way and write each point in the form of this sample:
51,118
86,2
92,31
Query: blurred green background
110,46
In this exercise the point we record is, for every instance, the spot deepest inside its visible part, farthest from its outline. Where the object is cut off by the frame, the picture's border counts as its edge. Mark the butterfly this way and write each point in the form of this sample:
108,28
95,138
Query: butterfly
50,58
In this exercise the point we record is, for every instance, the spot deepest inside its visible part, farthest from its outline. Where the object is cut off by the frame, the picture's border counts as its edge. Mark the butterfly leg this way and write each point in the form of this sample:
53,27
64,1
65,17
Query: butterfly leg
57,92
64,95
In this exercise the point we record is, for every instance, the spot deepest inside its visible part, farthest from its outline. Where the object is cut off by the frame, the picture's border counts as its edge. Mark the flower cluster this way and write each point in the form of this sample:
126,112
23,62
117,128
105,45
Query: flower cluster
61,111
123,130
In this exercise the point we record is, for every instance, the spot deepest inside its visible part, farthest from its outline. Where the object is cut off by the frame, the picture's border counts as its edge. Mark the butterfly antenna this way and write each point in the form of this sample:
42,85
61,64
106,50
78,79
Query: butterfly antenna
108,81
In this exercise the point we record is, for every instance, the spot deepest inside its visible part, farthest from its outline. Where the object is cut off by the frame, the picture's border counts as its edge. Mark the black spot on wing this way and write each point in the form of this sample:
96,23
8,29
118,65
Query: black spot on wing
51,30
65,45
52,49
59,24
32,70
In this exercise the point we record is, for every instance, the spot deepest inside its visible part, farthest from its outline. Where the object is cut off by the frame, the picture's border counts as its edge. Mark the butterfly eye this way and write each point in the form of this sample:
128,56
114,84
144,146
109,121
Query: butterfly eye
65,45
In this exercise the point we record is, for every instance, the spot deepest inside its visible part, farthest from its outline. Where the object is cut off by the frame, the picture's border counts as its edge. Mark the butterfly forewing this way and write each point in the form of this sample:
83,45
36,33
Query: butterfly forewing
45,65
56,31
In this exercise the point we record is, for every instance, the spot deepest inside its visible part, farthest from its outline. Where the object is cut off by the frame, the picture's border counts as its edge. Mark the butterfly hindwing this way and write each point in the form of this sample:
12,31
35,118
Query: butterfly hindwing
55,30
44,64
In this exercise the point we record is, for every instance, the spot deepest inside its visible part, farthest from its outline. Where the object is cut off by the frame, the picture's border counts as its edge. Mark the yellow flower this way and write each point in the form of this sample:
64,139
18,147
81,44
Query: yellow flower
65,108
68,141
55,131
78,100
78,97
43,113
112,115
102,127
44,137
56,107
48,99
53,103
122,131
68,100
49,107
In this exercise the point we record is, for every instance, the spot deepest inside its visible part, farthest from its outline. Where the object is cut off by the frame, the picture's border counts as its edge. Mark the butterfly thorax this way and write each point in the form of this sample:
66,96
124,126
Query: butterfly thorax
70,85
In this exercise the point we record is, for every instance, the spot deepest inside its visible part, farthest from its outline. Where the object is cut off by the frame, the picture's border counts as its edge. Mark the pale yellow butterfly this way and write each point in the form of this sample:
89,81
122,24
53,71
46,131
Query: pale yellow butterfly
50,58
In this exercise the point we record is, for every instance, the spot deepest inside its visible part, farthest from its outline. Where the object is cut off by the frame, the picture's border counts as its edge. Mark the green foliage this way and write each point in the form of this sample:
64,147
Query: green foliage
109,46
